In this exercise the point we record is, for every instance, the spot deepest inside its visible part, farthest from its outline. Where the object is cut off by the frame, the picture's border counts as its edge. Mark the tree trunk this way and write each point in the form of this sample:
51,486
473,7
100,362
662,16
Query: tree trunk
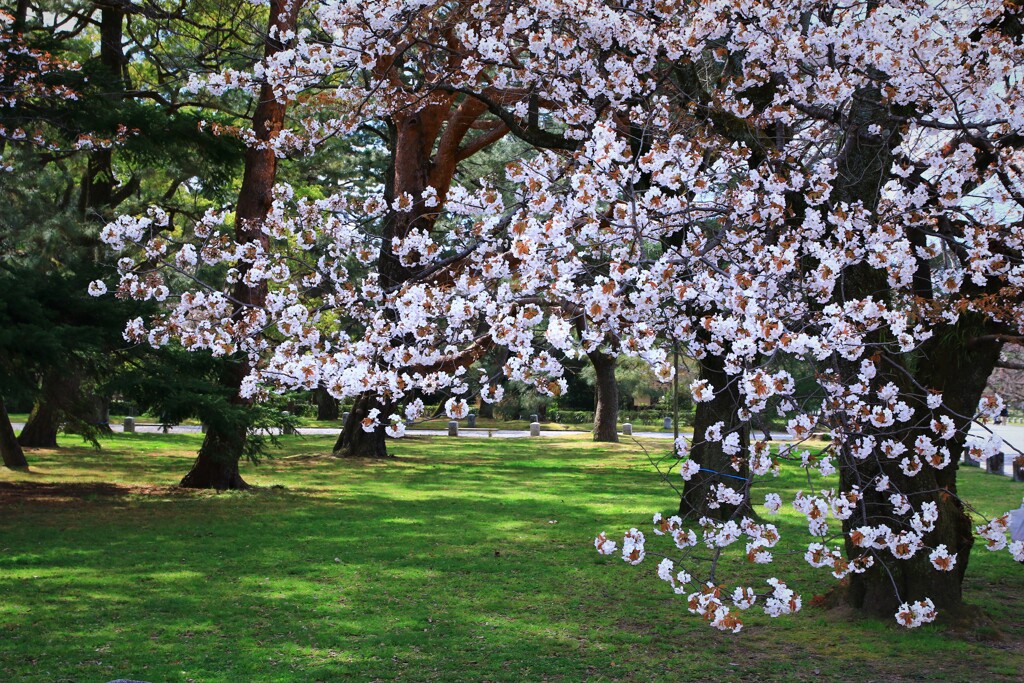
100,187
216,465
486,410
59,402
43,424
950,363
947,363
326,406
101,416
606,397
10,450
426,146
356,442
716,465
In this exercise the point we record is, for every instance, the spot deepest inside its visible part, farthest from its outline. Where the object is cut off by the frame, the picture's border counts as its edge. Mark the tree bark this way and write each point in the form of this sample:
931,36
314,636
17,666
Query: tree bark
356,442
426,145
216,465
411,140
10,450
100,191
40,431
326,406
58,401
951,364
946,363
716,465
606,397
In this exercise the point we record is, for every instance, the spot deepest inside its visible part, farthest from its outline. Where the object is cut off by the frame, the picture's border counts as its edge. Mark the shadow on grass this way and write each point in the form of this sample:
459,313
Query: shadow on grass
451,562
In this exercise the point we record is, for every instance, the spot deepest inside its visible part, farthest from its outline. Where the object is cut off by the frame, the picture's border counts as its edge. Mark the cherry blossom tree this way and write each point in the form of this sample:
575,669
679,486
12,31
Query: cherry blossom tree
830,184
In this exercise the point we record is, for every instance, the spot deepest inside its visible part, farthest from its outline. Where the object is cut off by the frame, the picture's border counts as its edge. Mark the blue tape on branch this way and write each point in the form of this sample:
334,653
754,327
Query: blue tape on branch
723,474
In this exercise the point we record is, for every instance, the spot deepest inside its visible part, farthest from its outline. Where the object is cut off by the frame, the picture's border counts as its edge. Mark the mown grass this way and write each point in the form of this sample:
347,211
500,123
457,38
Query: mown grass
458,560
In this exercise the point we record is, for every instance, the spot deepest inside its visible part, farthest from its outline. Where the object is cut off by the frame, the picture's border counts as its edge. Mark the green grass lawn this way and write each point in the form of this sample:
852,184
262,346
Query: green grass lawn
467,560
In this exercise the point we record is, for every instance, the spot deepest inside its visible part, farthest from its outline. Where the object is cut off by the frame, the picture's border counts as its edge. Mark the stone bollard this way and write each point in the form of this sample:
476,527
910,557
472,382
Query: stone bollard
666,423
535,428
471,420
968,461
995,464
344,418
627,429
1018,470
129,425
453,428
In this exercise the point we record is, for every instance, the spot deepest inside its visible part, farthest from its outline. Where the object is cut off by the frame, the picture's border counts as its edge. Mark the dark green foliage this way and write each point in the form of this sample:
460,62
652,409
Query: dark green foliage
50,328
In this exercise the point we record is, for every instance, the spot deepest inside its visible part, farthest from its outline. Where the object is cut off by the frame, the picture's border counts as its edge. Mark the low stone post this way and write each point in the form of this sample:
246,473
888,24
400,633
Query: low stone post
471,420
627,429
534,418
995,464
453,428
535,428
666,423
129,425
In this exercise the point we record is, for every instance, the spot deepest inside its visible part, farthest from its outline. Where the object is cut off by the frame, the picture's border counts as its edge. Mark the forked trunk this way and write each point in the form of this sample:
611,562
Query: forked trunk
10,450
606,397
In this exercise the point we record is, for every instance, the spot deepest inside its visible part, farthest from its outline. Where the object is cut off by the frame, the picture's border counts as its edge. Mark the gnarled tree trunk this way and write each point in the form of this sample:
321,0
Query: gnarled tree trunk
958,367
356,442
947,362
426,143
58,395
216,466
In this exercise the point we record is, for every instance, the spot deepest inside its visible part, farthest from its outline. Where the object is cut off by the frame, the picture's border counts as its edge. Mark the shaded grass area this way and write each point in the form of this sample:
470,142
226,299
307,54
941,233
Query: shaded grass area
457,560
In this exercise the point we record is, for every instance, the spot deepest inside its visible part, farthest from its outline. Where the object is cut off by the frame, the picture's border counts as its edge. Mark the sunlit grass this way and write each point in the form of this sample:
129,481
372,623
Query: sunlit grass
466,559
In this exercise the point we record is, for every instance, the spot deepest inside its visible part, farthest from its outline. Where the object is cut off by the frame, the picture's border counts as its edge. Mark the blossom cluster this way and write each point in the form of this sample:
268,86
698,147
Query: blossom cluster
761,185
